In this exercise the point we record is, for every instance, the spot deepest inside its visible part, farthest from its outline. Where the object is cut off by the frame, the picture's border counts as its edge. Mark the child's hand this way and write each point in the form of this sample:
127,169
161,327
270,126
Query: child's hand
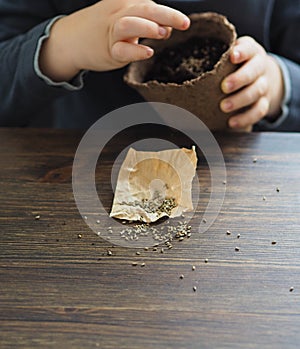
256,87
105,36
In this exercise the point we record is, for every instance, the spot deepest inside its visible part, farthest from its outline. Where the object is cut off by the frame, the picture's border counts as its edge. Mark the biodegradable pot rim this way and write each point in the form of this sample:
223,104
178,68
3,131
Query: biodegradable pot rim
158,45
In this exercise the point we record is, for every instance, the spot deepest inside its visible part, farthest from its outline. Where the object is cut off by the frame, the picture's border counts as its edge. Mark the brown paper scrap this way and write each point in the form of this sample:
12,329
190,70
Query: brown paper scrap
152,185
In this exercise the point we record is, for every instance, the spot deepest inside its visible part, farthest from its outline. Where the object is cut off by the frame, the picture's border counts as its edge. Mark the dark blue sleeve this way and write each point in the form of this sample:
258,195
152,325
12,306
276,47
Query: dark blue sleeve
23,92
285,42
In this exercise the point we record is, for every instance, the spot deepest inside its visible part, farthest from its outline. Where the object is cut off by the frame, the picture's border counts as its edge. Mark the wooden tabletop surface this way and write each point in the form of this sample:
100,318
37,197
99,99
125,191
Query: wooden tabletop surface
62,286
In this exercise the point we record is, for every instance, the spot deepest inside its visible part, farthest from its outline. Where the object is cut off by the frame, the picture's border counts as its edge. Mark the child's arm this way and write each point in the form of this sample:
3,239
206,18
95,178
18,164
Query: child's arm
105,36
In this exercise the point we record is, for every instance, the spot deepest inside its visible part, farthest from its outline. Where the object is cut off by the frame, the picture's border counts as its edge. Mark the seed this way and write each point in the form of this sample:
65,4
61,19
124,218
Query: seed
205,260
181,276
85,218
228,232
99,233
278,190
109,253
291,289
162,250
79,236
264,198
181,238
255,160
134,264
204,220
37,217
274,242
138,253
193,267
154,249
238,236
97,221
123,222
143,264
224,182
146,248
194,288
237,249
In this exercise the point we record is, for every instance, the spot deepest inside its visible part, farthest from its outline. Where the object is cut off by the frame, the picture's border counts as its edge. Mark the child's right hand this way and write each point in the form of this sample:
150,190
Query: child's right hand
105,36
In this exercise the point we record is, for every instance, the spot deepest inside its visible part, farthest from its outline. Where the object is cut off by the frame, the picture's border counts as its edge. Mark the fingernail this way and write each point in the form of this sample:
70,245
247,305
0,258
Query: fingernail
186,23
162,31
227,86
226,106
149,51
233,123
236,55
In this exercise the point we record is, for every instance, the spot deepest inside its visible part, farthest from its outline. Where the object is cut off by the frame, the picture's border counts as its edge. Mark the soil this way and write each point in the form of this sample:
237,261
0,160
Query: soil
187,61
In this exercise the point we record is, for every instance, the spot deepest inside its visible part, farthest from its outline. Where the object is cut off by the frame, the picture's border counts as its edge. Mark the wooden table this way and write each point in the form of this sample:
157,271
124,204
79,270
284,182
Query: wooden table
60,288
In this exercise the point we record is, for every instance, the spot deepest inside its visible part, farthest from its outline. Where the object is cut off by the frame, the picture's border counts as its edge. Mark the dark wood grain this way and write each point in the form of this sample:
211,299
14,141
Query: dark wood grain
61,291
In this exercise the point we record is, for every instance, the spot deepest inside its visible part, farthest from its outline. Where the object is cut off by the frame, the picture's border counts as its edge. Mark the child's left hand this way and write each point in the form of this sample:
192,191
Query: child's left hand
256,88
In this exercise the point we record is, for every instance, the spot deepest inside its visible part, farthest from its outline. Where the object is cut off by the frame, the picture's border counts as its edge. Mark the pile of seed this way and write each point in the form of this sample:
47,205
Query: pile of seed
166,233
157,205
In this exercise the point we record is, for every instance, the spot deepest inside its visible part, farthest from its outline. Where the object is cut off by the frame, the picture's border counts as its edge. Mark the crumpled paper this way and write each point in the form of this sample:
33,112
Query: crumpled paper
152,185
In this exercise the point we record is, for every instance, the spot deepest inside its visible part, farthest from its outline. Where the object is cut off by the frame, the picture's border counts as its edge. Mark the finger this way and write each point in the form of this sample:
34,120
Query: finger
244,49
163,15
247,96
134,27
251,116
245,75
125,52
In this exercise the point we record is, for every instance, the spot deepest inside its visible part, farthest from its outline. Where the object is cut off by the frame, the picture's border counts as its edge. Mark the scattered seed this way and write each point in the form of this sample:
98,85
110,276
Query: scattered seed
79,236
154,249
205,260
99,233
204,220
134,264
85,218
194,288
138,253
162,250
278,190
291,289
238,236
143,264
264,198
37,217
193,267
109,253
255,160
97,221
237,249
228,232
146,248
181,276
274,242
224,182
124,222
